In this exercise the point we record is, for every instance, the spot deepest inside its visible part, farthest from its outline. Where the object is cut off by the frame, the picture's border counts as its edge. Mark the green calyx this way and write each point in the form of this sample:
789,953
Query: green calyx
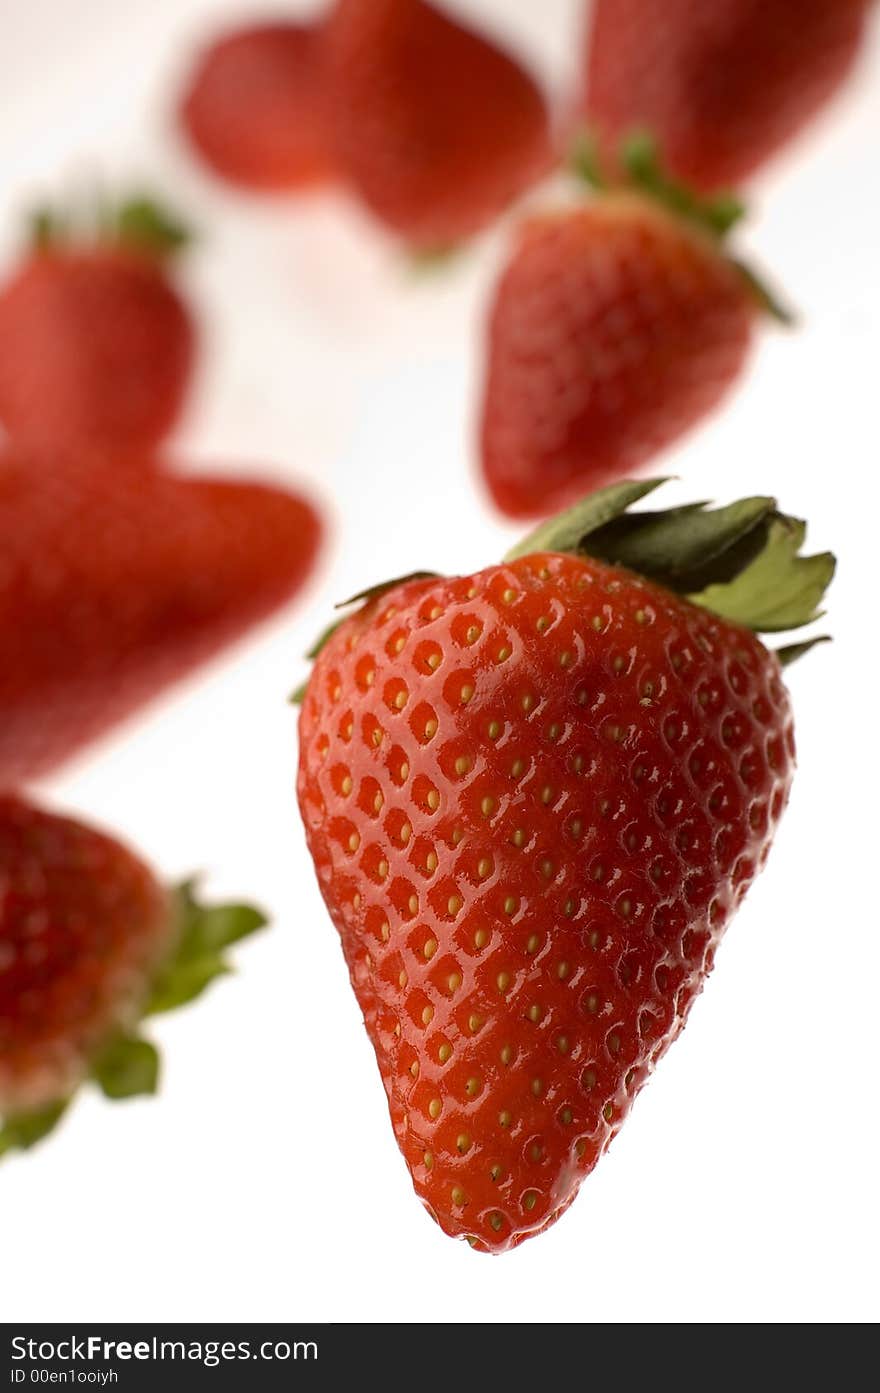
21,1131
639,167
127,1065
138,223
742,561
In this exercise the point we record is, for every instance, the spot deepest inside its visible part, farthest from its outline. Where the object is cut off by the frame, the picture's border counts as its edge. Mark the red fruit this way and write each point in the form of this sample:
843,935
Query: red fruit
436,129
254,108
614,329
96,345
83,925
722,86
534,797
113,587
89,942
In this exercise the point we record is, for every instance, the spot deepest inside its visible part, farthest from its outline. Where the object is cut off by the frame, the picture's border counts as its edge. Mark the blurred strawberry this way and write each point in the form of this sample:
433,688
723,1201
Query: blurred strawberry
89,944
721,86
616,326
436,128
254,108
96,345
112,590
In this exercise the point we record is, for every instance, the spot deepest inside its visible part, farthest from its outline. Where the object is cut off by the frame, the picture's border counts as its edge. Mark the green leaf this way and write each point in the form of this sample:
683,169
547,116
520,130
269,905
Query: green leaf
375,591
127,1067
20,1131
297,696
680,546
779,590
323,639
569,529
742,562
143,223
641,163
185,981
204,931
766,297
217,928
792,651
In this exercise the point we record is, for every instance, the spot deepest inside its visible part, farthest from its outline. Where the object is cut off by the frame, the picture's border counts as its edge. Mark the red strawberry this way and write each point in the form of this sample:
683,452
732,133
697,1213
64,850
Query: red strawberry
615,328
254,107
96,345
436,128
110,590
534,797
89,943
722,86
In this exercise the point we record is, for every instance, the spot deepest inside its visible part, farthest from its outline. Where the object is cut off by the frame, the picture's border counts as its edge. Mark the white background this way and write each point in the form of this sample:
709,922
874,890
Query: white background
265,1182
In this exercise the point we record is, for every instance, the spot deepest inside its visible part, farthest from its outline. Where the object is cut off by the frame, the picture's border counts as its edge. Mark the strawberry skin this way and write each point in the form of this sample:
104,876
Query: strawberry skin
254,108
83,924
96,349
115,584
534,796
614,329
722,86
434,127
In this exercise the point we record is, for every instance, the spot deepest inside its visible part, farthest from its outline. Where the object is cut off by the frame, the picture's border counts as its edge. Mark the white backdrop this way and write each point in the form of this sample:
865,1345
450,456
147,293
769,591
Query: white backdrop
264,1183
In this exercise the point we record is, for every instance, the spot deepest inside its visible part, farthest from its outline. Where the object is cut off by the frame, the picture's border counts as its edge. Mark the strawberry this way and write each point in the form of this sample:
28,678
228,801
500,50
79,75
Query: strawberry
254,108
534,797
434,127
96,345
112,589
89,944
722,86
615,327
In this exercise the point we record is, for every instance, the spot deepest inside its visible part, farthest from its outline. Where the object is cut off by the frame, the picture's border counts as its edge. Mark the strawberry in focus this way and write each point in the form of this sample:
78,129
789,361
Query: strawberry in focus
722,86
96,344
434,127
254,108
615,327
90,942
534,797
111,590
